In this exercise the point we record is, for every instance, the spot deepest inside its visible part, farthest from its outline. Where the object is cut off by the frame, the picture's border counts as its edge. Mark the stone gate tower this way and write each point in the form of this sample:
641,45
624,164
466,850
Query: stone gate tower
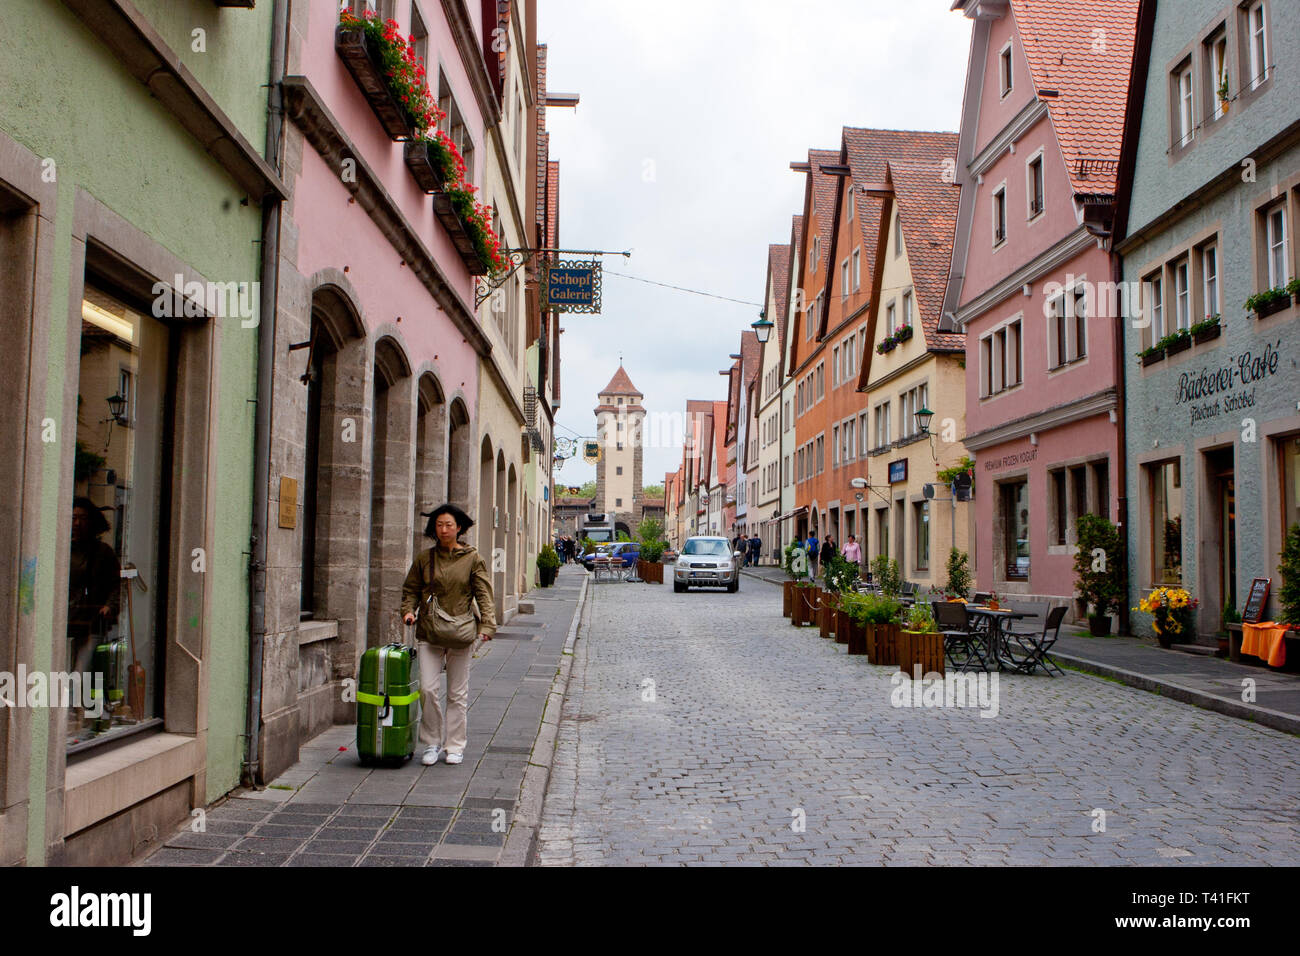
619,420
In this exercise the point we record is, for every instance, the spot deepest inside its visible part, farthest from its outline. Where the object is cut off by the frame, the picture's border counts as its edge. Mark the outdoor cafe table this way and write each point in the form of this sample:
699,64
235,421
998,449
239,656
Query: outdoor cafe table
989,622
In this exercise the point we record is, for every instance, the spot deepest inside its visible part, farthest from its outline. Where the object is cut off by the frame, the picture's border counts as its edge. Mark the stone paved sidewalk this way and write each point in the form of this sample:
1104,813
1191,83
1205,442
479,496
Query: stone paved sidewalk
328,810
1205,681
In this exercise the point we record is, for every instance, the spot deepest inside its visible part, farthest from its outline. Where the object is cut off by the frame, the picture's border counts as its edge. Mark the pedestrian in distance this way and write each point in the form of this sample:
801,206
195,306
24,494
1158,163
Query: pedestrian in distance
827,551
755,550
448,595
852,551
811,545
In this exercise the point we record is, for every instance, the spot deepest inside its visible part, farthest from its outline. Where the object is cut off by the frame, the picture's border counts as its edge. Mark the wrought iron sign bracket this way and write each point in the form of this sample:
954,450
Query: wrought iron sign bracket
518,258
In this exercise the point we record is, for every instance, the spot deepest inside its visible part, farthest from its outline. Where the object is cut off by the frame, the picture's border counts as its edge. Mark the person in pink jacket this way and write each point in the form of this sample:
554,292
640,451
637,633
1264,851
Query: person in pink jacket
851,551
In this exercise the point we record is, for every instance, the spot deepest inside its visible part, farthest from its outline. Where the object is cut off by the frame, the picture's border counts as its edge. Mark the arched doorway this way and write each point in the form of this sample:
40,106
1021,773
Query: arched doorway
431,458
482,534
460,453
514,532
391,493
502,515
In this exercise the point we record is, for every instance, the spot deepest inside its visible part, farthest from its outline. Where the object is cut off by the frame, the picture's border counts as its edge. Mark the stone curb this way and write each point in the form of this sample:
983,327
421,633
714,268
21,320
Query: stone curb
521,842
1264,716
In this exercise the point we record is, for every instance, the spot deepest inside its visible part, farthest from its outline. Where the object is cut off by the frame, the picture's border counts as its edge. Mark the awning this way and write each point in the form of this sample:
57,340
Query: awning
790,514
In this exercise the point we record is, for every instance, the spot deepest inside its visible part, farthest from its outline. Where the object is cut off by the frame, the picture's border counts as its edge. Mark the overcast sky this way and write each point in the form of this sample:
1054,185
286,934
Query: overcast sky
680,148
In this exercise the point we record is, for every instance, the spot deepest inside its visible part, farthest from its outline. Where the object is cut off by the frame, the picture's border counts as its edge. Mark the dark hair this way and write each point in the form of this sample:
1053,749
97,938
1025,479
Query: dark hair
98,523
463,521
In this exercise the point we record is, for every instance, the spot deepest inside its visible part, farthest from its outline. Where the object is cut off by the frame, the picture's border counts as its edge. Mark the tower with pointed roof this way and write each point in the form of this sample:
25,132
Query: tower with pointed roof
619,421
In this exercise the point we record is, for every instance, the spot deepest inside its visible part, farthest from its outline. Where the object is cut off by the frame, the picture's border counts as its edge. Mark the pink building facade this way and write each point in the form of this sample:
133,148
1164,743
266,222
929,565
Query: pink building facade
1031,283
376,360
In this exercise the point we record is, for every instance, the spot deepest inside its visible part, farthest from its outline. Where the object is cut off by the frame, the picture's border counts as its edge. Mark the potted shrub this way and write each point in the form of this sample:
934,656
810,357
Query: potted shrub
389,75
920,642
1230,615
1207,329
1173,613
1265,303
648,567
1222,94
548,563
852,623
1289,568
886,575
958,585
794,562
875,627
1294,288
1097,571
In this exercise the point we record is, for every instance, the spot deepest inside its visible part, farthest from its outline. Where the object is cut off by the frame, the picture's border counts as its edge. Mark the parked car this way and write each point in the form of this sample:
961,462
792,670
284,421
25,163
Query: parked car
625,551
707,562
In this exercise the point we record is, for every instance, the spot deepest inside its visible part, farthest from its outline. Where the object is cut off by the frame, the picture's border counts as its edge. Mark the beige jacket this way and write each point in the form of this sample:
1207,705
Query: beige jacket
457,576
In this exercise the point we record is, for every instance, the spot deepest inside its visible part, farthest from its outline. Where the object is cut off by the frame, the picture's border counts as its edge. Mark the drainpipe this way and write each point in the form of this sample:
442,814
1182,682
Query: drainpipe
265,367
1121,463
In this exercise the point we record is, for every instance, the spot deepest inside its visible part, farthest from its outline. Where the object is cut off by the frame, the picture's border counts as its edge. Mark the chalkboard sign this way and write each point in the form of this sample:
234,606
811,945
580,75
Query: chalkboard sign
1256,601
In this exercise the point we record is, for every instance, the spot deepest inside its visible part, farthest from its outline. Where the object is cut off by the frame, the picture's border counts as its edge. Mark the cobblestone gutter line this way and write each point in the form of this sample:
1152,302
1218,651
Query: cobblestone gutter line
521,842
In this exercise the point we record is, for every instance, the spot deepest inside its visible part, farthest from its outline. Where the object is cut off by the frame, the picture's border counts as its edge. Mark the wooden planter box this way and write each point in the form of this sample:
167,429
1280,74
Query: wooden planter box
1179,345
917,648
841,626
361,58
882,644
419,160
652,572
1277,305
1207,335
805,606
855,635
458,229
825,613
1157,356
787,598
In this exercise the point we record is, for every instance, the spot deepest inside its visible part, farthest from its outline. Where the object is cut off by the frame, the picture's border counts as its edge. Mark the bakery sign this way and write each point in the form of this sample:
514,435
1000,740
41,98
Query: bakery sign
1229,387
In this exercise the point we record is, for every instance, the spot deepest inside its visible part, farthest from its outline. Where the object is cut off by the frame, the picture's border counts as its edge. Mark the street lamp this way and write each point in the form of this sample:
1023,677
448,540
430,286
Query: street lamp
763,327
923,416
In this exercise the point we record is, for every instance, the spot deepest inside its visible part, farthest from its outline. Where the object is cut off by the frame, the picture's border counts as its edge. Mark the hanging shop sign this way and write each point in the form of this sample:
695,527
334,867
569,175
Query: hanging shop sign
591,452
573,286
898,471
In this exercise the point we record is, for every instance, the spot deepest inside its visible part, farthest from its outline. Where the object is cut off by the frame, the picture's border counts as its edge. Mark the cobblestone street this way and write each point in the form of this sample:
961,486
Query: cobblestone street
763,744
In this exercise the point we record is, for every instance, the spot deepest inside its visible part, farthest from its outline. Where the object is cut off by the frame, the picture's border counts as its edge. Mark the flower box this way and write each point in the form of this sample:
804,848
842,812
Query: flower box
1205,335
419,159
1180,343
1265,309
459,231
903,334
1150,358
882,644
363,61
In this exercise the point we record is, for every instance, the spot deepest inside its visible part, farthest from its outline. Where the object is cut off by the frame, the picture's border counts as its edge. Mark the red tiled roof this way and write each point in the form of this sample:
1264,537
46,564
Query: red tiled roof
750,350
867,154
1090,70
778,266
553,204
620,384
824,199
720,441
927,206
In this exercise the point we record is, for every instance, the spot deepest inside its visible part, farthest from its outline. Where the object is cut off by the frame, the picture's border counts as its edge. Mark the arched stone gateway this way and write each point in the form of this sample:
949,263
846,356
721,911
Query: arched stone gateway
460,455
432,456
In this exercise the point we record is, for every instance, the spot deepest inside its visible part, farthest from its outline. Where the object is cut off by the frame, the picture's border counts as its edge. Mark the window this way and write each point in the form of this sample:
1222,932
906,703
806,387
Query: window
910,403
1166,522
882,425
850,203
898,235
618,446
1185,129
1014,517
1182,296
1004,70
891,322
1210,280
821,454
120,491
812,321
1289,449
1275,241
1059,509
821,381
921,512
618,502
1001,359
421,34
844,280
882,531
907,309
835,366
857,269
1216,62
1257,44
619,470
999,215
850,440
1156,303
863,439
785,470
1034,185
850,359
1067,333
835,445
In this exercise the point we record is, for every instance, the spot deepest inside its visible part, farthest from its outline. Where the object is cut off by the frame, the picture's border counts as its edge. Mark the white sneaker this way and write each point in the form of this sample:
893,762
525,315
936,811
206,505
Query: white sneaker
455,758
431,755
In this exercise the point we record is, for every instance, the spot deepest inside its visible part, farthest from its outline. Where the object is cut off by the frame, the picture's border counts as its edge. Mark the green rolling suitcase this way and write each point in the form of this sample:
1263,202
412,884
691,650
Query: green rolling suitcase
109,660
388,704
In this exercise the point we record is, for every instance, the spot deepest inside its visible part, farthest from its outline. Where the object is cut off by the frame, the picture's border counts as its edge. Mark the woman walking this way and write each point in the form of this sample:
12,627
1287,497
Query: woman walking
446,591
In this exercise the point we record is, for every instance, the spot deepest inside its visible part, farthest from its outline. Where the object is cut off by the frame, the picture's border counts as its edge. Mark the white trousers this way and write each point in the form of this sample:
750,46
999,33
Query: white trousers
433,730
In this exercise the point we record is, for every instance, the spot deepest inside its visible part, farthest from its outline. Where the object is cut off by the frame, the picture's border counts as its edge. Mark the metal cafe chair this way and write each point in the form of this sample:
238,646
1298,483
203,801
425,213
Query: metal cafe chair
958,636
1027,652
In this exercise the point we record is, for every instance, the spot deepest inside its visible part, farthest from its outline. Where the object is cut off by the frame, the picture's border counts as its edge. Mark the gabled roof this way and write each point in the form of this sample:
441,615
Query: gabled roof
778,270
620,384
867,153
553,204
719,441
928,208
819,202
783,330
750,350
1062,40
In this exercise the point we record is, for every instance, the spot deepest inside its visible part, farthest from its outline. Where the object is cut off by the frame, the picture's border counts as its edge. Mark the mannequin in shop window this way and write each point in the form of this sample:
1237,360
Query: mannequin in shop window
94,583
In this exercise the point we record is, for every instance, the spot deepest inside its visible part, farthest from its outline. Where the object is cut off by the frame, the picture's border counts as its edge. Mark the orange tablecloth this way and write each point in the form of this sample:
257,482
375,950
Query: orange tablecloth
1264,640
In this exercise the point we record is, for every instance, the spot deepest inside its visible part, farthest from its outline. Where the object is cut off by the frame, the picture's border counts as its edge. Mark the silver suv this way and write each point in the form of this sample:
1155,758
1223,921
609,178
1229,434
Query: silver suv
707,562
